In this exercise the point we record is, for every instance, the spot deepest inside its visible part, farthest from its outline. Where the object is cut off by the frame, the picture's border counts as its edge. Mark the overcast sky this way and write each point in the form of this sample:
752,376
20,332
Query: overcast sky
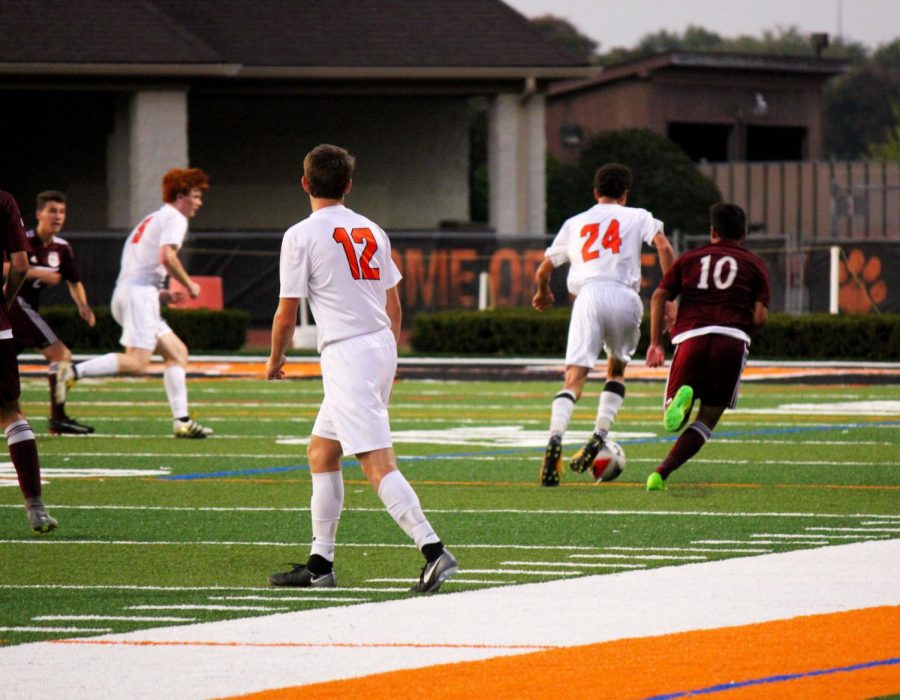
623,22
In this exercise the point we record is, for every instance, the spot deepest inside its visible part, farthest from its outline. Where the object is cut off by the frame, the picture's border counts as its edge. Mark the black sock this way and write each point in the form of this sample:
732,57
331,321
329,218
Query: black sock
432,550
185,419
319,565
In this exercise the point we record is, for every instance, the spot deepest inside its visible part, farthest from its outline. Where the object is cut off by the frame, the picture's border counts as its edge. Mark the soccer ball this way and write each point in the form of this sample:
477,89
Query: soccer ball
610,462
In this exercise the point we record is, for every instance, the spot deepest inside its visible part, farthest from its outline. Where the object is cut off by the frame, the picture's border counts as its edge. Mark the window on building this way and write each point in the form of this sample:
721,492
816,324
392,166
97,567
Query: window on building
701,141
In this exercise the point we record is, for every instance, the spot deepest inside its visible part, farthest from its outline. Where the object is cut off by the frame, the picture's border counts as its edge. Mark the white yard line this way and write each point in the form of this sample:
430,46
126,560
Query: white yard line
301,647
112,618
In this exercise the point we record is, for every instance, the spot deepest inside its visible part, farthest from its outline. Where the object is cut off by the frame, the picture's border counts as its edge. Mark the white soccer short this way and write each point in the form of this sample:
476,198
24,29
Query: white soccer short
358,374
135,307
604,316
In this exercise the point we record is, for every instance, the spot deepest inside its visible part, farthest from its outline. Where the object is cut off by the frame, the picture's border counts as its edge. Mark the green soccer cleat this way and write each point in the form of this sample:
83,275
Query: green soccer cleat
655,482
679,409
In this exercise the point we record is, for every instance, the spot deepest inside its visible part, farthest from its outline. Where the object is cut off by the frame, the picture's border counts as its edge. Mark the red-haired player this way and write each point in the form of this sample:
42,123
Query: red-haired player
151,253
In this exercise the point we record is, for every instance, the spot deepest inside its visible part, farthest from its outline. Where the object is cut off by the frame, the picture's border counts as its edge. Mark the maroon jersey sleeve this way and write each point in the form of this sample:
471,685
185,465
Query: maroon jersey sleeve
719,285
12,229
67,267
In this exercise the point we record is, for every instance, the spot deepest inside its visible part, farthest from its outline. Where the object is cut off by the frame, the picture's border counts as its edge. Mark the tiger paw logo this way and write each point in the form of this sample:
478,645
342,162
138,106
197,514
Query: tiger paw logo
861,287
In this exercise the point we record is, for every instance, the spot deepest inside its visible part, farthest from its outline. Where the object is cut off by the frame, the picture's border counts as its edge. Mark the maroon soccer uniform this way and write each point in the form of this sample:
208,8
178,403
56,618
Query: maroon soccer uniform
12,240
32,331
719,286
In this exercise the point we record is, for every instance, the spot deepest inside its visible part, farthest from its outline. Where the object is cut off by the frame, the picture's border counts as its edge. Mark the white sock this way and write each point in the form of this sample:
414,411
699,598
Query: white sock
611,399
403,505
175,381
325,506
561,412
101,366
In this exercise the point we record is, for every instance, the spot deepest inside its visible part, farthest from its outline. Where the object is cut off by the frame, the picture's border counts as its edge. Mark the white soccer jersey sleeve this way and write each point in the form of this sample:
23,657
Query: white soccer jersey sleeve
341,262
604,244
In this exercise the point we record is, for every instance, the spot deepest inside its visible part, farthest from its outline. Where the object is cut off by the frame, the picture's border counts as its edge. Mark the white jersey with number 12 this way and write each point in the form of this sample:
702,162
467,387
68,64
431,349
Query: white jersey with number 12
341,261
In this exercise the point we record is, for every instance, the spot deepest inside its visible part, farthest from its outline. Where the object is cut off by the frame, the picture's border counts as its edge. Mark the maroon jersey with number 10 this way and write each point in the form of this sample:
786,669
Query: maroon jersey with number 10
719,285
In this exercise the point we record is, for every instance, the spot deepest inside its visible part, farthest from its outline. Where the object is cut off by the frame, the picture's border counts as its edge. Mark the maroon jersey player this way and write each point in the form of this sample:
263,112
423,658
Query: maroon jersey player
724,290
51,261
19,436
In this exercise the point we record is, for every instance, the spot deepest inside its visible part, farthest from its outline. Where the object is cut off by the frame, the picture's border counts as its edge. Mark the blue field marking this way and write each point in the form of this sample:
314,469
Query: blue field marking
724,687
520,450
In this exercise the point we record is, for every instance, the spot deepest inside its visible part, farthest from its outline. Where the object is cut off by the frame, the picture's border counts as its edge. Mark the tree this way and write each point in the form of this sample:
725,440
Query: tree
859,110
562,32
665,180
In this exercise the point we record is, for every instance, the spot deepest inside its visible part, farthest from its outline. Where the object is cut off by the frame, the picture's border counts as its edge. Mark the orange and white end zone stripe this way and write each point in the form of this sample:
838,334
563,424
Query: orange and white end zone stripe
811,623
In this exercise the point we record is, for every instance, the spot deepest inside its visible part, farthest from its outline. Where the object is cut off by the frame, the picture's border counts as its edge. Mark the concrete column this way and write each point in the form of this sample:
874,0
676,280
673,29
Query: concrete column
516,165
149,137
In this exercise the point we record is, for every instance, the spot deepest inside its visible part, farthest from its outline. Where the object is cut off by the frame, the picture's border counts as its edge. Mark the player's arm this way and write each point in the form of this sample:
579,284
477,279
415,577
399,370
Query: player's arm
394,311
79,296
656,356
543,297
16,271
760,315
283,326
664,250
46,275
168,258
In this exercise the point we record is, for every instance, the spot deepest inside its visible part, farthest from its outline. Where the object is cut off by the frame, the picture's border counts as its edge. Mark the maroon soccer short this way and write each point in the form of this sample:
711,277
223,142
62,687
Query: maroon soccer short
711,365
10,390
29,329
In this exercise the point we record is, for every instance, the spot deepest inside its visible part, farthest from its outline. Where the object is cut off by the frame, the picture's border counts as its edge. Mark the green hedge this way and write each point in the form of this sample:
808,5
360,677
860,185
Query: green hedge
527,332
200,329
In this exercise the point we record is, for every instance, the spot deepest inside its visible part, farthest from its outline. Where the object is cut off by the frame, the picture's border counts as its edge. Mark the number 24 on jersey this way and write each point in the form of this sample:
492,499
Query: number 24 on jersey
610,240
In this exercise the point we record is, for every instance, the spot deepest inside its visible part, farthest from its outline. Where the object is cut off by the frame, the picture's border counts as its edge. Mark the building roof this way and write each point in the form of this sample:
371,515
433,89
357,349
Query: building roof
276,38
812,67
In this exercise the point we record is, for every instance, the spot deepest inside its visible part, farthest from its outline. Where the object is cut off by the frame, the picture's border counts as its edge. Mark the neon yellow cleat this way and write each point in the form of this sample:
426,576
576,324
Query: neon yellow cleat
655,482
679,409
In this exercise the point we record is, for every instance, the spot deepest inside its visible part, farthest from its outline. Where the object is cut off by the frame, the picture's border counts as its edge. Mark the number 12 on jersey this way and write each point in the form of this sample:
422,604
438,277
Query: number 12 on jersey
359,266
610,240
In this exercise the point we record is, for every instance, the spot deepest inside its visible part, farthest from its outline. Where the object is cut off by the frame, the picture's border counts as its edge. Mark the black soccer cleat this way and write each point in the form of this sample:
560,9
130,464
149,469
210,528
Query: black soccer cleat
584,459
301,577
434,573
68,426
552,464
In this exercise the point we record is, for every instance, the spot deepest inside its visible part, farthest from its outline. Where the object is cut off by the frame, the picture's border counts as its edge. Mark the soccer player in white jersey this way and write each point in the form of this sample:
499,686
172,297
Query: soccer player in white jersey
149,255
341,262
603,248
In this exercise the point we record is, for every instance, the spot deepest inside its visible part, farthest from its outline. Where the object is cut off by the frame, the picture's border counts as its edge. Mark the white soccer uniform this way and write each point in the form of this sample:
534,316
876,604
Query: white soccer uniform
341,261
135,302
603,248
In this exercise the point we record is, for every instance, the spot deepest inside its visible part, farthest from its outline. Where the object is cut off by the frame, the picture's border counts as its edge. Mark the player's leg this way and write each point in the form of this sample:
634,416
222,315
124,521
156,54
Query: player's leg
358,376
60,422
723,358
136,309
620,314
326,505
582,350
175,357
21,442
686,376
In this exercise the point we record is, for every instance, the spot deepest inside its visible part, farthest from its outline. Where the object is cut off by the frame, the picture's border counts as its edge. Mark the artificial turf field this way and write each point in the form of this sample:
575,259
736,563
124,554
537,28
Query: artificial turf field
156,531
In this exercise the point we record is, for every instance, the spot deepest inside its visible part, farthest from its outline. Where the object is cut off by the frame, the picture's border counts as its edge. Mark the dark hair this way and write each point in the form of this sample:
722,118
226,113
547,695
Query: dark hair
728,220
612,180
181,181
328,170
49,196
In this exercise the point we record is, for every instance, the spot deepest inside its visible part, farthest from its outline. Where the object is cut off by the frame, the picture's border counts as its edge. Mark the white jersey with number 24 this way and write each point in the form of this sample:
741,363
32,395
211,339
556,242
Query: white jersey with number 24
604,244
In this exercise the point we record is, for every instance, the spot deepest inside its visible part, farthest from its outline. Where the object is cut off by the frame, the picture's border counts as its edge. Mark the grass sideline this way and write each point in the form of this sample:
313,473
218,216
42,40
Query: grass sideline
157,531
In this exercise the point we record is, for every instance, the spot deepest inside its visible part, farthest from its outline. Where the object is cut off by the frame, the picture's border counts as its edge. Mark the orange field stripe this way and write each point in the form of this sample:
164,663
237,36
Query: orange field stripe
797,658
